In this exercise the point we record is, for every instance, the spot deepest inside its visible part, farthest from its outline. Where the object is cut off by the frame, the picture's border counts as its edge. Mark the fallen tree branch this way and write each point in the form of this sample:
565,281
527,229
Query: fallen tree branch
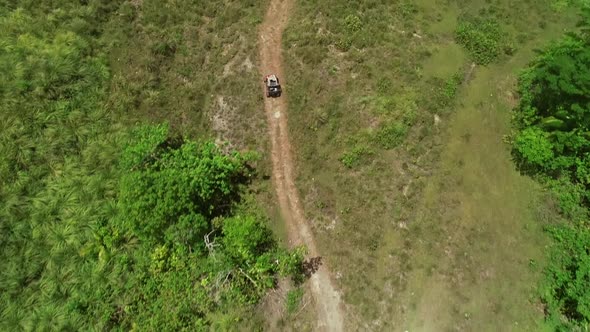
249,278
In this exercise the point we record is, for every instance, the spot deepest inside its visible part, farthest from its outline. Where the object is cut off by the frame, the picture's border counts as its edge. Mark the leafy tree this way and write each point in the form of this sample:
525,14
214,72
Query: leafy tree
177,196
554,112
244,240
174,179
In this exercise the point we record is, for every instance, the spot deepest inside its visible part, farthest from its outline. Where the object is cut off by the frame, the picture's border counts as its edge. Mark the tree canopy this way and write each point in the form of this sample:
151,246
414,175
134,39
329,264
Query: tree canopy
554,112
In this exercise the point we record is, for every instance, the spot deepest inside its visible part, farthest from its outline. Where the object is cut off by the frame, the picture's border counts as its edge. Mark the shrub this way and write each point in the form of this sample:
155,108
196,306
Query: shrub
481,38
353,157
570,198
392,134
566,290
352,23
534,148
451,86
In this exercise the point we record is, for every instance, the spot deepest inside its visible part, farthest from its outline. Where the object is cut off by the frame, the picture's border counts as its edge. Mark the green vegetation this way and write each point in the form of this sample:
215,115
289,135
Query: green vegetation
554,113
353,157
118,212
191,65
422,231
294,300
481,38
392,134
552,142
107,225
176,197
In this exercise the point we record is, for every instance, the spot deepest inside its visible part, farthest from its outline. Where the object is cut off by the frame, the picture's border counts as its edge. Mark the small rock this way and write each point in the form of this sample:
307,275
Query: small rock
437,120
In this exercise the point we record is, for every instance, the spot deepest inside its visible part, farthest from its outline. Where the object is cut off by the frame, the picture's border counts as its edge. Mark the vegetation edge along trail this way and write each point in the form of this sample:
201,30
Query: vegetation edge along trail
327,299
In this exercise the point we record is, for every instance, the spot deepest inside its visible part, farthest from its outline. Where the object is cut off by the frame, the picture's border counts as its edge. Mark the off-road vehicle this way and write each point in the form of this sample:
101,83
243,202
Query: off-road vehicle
273,87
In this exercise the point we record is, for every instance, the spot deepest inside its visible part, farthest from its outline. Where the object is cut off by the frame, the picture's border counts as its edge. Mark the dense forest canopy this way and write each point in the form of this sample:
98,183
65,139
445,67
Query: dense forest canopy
107,226
552,142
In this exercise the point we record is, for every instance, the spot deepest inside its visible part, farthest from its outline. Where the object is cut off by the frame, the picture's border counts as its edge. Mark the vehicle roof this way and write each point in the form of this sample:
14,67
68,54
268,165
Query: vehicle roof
272,80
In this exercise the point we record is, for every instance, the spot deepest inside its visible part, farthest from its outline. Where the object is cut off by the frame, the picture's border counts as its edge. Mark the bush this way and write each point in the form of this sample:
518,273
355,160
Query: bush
391,135
571,198
552,118
353,157
352,23
534,148
177,199
566,289
175,178
481,38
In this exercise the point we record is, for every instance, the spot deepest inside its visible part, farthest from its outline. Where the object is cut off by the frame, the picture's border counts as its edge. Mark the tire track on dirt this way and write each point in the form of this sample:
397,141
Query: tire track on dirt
326,298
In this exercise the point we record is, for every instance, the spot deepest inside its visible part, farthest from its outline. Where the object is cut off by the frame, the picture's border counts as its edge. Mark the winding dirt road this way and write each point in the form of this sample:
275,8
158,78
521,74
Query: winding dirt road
326,298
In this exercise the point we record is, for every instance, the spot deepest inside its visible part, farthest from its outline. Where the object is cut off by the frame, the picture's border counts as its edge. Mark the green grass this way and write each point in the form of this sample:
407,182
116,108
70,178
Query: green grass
353,157
446,60
476,233
294,300
193,66
446,183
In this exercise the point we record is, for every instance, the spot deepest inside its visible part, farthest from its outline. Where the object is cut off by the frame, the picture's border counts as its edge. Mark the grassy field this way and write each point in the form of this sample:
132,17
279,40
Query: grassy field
193,66
477,243
405,178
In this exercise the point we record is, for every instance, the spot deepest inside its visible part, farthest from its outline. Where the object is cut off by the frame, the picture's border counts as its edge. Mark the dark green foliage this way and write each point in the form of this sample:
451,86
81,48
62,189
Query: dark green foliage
552,141
175,179
482,38
193,259
554,112
557,87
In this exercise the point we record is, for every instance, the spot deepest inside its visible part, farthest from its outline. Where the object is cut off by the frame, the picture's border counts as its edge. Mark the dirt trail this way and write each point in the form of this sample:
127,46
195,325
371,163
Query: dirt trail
327,299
